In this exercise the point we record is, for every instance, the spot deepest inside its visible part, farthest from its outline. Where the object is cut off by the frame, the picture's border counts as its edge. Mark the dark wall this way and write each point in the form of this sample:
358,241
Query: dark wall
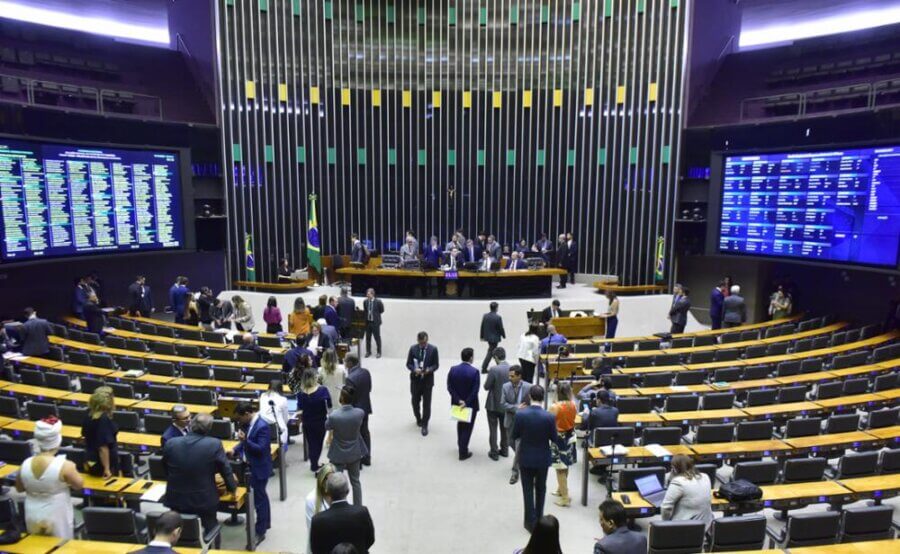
48,285
415,115
714,34
192,22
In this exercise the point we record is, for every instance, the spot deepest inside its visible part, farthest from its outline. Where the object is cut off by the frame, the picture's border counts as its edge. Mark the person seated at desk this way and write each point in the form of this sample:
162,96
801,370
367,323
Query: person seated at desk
587,394
317,343
486,261
453,261
552,338
472,252
409,252
619,538
433,253
550,312
410,236
602,415
248,342
516,264
689,494
522,247
167,531
284,270
456,241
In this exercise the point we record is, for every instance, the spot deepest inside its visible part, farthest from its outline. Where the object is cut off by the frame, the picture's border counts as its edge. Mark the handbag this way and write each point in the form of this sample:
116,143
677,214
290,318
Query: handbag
739,491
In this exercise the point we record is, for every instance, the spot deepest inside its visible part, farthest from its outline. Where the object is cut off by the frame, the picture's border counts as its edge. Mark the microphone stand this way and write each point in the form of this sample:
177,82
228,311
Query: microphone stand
612,463
282,486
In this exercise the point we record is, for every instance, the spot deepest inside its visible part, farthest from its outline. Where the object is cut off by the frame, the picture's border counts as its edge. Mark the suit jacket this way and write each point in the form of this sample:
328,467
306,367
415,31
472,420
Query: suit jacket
94,317
511,401
345,308
191,463
34,335
460,259
716,299
547,314
358,253
571,257
492,328
409,252
516,265
256,448
331,332
361,379
472,256
433,255
139,299
494,250
622,541
80,299
535,429
341,522
679,311
292,356
562,253
497,377
377,309
347,445
262,354
430,363
601,416
155,550
463,383
733,309
171,432
331,315
178,298
324,341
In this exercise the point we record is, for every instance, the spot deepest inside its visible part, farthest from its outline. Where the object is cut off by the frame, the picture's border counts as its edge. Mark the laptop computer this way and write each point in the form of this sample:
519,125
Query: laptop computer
651,489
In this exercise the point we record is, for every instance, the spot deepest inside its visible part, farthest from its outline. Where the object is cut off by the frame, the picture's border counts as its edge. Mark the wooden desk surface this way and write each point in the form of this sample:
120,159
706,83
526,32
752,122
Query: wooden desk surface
100,547
803,490
727,415
84,369
235,363
852,400
871,369
40,392
207,383
640,418
743,385
719,365
83,398
74,344
145,378
681,389
829,440
38,362
7,469
873,484
642,452
865,547
782,409
892,394
4,421
167,407
739,447
648,369
99,484
891,432
33,544
173,325
142,440
26,426
546,272
806,378
745,327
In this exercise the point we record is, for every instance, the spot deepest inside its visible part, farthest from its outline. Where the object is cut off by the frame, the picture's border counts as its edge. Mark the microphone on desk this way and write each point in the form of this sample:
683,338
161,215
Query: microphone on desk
272,403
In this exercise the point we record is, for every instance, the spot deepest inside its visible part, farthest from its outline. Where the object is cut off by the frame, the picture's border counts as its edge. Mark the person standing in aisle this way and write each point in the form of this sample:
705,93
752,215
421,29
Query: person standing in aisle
463,383
373,308
498,375
422,361
492,332
361,380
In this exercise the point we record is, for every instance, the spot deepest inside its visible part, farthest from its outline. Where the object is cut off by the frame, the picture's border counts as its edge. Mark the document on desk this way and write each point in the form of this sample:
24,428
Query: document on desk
658,450
461,414
13,355
155,493
617,450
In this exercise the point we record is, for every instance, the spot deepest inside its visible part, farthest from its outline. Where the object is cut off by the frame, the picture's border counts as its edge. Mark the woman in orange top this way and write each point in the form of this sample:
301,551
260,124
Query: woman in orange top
300,319
565,411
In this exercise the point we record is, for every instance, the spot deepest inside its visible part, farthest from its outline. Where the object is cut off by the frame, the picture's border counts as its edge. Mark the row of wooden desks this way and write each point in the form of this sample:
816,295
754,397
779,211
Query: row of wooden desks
704,333
736,450
184,327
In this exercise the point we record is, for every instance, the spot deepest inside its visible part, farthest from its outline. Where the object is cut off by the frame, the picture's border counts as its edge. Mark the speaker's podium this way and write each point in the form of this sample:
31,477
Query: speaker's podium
580,326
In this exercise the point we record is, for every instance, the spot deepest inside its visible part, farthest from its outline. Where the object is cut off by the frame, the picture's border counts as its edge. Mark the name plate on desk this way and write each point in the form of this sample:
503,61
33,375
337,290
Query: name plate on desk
451,275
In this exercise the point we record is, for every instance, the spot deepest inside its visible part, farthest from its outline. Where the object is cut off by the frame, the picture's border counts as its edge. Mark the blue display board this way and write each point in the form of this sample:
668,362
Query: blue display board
835,206
63,200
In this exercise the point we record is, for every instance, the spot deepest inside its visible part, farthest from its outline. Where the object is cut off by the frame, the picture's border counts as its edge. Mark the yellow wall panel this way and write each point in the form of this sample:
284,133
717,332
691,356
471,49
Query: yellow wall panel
557,98
620,94
407,99
436,98
467,99
376,97
653,92
250,90
498,99
588,97
314,95
282,92
345,96
526,98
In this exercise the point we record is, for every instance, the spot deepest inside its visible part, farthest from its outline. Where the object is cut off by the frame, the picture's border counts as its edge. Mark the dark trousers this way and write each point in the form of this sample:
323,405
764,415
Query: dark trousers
495,422
527,370
677,328
464,434
563,279
179,317
261,504
315,436
571,275
487,357
367,438
611,324
207,519
373,330
534,489
728,324
716,323
344,331
420,390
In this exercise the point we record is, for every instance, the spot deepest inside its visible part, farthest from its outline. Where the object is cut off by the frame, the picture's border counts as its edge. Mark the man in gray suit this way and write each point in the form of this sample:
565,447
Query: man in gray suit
409,251
734,310
681,305
515,394
346,447
498,376
619,538
492,333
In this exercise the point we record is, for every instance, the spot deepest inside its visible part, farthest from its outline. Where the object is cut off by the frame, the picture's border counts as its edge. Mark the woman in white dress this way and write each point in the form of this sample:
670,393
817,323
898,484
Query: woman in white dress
315,500
332,376
46,479
277,411
529,352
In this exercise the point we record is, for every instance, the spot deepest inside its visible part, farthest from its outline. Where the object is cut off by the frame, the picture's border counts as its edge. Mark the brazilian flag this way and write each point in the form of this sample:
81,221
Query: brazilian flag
250,260
313,243
660,258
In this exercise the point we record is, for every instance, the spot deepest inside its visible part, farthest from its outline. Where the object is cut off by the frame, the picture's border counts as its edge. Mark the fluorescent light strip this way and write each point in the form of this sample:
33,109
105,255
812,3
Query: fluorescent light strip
87,24
820,27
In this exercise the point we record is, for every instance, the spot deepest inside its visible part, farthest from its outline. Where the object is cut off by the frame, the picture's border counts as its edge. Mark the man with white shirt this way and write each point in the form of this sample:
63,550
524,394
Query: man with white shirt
550,312
486,261
167,532
515,264
453,260
181,420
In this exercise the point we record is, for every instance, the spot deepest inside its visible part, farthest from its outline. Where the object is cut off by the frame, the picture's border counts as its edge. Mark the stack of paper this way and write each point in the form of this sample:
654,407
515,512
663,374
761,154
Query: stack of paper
617,450
461,414
658,450
154,493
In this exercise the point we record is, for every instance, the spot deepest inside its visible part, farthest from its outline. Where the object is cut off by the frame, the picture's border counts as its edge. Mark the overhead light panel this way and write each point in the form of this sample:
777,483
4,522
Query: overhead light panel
84,23
796,30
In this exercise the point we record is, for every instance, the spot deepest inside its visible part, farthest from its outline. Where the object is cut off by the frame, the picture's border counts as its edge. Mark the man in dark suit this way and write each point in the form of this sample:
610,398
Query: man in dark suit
191,463
345,309
498,375
181,421
82,291
562,255
550,312
178,297
454,259
716,299
515,263
248,342
472,252
140,302
357,250
422,362
34,334
254,447
678,313
361,380
571,258
331,315
463,383
94,316
373,308
619,538
535,429
292,357
166,534
493,248
342,522
734,310
604,414
492,333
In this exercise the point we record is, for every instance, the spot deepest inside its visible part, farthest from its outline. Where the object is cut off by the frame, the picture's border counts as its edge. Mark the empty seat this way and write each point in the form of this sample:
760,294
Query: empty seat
248,356
661,435
91,338
683,342
194,371
828,390
866,523
890,461
714,432
667,359
220,354
120,390
663,379
751,334
146,328
787,395
730,337
164,348
728,375
727,355
703,357
886,382
606,436
221,429
811,529
15,452
850,360
72,415
885,417
811,365
235,374
754,430
754,372
40,410
820,342
869,331
618,380
112,525
78,358
205,397
127,420
802,427
648,345
857,464
136,345
55,353
265,375
212,336
90,384
732,534
631,404
802,345
275,342
164,393
113,341
718,401
756,351
777,349
682,403
838,339
9,406
160,367
763,472
797,470
59,381
761,397
629,474
704,340
843,423
102,360
676,537
187,351
164,331
32,377
684,378
855,386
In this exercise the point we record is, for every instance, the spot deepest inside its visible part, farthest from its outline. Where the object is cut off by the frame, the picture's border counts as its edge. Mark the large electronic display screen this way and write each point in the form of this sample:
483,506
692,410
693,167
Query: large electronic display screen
64,200
839,206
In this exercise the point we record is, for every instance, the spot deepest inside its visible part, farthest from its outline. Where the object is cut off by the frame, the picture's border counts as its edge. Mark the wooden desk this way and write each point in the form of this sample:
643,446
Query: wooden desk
703,416
33,544
740,449
100,547
113,485
865,547
4,421
153,406
872,369
82,398
819,491
579,327
235,363
681,389
886,433
207,384
851,401
19,426
38,362
712,366
145,378
744,385
892,394
806,378
631,419
292,286
648,369
38,392
782,410
835,440
7,469
626,290
84,370
637,454
873,484
404,283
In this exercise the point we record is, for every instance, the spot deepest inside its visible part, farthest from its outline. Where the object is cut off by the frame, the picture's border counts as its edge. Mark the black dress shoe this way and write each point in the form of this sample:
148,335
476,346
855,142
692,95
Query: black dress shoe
418,423
504,453
424,430
368,354
378,355
366,461
494,456
465,456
